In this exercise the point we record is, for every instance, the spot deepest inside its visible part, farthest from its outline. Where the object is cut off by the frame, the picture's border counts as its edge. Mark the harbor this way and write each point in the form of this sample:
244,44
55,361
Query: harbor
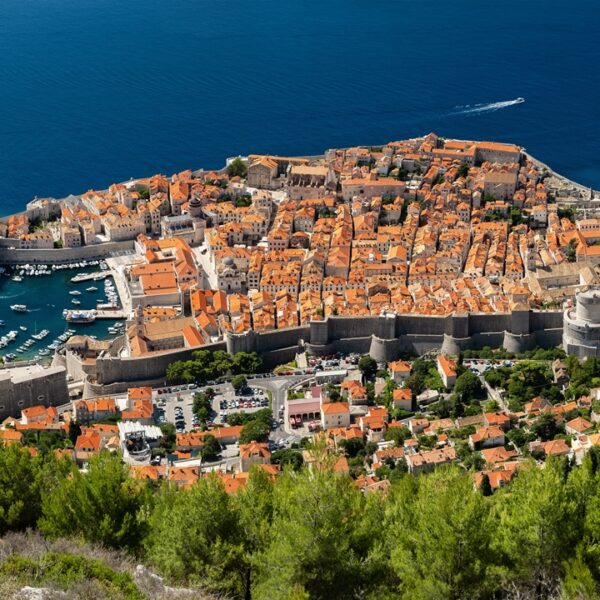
42,306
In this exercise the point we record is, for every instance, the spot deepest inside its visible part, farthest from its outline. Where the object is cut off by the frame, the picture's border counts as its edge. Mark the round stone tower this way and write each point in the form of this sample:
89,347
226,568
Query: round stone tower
581,325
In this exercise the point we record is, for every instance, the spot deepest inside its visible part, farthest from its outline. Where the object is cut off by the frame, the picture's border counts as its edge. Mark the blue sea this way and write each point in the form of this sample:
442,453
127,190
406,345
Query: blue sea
45,298
97,91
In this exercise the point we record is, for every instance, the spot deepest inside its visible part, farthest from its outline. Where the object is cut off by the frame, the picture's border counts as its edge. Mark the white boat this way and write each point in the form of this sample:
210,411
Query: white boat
76,302
81,316
91,289
22,328
18,307
75,293
17,278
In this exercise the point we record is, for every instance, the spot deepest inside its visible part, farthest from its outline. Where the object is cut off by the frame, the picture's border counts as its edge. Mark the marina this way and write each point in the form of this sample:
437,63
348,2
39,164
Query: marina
34,298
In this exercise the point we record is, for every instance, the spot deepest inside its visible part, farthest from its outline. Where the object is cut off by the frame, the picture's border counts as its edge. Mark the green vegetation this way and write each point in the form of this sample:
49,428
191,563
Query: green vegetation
257,427
243,201
237,168
572,250
424,376
201,405
368,367
286,457
239,383
207,365
500,354
312,533
64,571
103,505
527,380
567,213
211,449
463,170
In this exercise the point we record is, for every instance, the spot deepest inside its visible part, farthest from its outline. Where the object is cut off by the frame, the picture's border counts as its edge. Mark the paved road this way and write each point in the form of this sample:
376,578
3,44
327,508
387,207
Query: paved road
278,387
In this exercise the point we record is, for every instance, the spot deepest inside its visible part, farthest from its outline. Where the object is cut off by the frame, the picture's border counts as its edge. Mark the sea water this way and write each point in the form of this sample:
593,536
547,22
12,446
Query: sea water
46,296
98,91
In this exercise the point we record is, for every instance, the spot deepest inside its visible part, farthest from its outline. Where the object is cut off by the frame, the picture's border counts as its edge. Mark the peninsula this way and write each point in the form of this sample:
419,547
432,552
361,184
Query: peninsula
421,243
295,342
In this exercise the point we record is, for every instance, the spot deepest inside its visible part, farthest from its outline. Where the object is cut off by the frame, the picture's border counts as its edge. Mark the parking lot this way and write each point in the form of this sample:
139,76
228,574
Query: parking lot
175,404
176,407
227,402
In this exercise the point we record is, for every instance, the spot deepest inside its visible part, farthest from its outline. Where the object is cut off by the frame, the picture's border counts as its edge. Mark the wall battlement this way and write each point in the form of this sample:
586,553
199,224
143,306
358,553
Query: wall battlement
385,337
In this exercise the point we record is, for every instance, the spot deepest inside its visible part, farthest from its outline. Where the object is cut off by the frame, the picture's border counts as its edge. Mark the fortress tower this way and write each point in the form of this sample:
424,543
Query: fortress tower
581,328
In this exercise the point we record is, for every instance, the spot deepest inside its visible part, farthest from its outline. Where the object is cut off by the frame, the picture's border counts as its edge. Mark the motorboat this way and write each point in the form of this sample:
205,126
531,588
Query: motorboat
22,328
75,293
19,307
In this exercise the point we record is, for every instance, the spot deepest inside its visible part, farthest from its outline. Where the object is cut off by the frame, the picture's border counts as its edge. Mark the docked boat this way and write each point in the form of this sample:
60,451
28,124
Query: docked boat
19,307
17,278
81,316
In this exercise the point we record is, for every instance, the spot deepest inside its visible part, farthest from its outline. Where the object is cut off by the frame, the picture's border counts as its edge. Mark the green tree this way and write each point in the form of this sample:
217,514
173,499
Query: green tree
546,427
239,383
247,362
195,537
201,406
537,515
74,431
237,168
286,457
468,387
103,506
519,437
255,430
398,435
20,488
254,507
319,538
440,537
353,447
485,486
367,366
211,449
169,436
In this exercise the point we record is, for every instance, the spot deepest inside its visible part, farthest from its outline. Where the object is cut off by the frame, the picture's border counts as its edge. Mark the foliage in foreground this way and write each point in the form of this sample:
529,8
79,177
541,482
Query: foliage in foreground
313,534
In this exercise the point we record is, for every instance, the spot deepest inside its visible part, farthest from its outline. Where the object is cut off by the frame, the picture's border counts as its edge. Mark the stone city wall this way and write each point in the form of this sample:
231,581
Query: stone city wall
60,255
48,388
385,338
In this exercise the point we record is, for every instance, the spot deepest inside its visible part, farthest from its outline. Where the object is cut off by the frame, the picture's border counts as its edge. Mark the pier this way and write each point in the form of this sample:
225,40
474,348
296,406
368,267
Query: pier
96,276
110,314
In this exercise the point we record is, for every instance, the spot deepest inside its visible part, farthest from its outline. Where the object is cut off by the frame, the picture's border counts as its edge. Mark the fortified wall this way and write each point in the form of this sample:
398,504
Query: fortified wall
22,387
581,335
55,256
385,338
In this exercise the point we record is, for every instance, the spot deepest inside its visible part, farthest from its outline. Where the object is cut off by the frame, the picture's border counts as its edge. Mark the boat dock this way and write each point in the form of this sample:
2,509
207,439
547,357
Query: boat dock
96,276
110,314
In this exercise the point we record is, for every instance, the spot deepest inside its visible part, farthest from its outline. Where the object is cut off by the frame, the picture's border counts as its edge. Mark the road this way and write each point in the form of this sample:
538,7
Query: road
278,387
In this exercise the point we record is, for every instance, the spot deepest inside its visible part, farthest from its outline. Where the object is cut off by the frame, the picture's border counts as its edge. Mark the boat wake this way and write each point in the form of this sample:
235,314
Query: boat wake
477,109
10,296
